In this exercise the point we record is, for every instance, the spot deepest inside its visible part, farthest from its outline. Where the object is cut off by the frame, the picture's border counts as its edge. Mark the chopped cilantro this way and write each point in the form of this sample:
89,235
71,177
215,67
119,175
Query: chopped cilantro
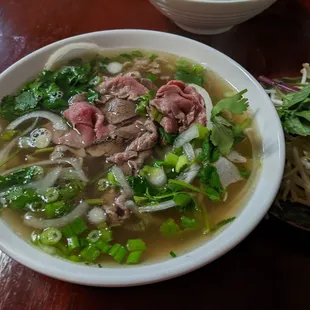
153,57
187,223
189,72
151,77
143,101
166,138
169,227
244,172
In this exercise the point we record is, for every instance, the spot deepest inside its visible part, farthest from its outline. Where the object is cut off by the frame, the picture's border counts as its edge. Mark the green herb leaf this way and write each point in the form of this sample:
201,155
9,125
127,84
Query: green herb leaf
187,223
236,104
169,227
167,138
244,172
143,101
172,254
222,134
189,72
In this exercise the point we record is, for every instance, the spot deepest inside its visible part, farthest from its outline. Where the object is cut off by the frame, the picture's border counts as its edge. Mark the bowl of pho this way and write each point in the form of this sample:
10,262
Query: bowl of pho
130,157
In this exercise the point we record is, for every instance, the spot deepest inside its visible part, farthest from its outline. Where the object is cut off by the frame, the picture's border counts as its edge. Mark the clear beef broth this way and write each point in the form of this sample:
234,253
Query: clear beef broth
158,245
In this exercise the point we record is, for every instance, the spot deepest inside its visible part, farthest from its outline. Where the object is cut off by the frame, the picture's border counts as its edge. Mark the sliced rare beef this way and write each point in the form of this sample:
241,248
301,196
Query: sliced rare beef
123,87
118,110
107,148
181,106
88,126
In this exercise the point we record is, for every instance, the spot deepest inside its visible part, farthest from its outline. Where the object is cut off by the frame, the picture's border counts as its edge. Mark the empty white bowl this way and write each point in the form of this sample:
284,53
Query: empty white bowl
248,215
210,16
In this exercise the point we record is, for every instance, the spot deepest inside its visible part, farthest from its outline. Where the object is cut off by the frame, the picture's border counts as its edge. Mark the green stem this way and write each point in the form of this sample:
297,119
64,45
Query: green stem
9,158
97,201
45,150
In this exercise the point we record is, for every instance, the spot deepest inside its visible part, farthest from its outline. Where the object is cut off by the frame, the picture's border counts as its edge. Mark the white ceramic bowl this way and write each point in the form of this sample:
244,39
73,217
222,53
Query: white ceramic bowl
210,16
248,216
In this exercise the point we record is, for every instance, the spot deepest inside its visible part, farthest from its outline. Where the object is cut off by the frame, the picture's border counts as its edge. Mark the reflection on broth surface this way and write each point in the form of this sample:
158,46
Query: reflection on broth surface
120,157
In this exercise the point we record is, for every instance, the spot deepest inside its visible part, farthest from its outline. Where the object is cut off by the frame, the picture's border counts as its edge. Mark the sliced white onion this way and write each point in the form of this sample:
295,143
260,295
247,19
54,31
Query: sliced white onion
71,161
96,215
39,223
58,122
48,181
120,178
189,174
4,153
236,157
186,136
114,67
70,174
227,172
189,151
59,152
158,207
208,103
70,51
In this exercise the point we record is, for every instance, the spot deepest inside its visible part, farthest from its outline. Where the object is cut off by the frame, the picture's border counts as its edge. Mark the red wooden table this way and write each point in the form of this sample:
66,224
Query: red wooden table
271,268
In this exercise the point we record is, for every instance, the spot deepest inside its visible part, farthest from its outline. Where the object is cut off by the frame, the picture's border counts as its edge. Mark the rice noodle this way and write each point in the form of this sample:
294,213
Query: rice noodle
71,161
120,178
39,223
189,151
158,207
4,153
69,52
48,181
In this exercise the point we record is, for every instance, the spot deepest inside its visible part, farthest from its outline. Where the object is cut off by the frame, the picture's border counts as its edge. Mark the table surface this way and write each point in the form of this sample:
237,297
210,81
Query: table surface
270,269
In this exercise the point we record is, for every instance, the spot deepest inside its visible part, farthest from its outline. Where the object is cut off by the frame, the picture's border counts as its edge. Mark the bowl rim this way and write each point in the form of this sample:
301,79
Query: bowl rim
160,271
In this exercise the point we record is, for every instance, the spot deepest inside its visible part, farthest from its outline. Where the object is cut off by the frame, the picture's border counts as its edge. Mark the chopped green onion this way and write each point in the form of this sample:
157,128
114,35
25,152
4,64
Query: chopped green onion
222,223
101,245
94,236
50,236
114,249
111,178
188,223
136,245
51,194
73,243
106,249
203,131
106,235
63,248
172,254
169,227
56,209
67,231
182,162
78,226
171,159
90,253
83,242
244,172
74,258
118,252
134,257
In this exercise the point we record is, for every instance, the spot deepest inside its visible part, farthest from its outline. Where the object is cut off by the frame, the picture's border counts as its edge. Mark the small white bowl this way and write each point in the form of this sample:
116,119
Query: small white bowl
210,16
248,216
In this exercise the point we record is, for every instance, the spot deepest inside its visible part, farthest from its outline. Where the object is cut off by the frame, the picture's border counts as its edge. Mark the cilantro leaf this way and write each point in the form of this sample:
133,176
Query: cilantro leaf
222,134
236,104
169,227
143,101
189,72
25,102
244,172
187,223
167,138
